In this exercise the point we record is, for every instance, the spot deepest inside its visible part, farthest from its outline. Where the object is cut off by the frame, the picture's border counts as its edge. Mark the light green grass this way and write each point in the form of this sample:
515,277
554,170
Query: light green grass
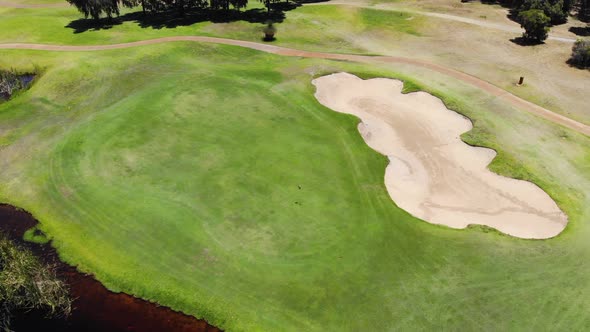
172,173
35,235
399,22
322,28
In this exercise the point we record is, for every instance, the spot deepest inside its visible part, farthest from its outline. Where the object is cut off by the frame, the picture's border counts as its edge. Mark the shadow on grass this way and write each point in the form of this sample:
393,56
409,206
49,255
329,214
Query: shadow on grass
526,42
573,64
580,31
171,18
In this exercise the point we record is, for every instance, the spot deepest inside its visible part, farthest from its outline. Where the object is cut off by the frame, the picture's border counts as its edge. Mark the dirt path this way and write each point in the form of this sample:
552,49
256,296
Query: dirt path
479,83
496,26
432,173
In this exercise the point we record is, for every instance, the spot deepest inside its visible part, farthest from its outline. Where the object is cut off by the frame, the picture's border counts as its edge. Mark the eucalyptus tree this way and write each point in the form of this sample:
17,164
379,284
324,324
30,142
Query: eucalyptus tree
97,8
238,4
268,3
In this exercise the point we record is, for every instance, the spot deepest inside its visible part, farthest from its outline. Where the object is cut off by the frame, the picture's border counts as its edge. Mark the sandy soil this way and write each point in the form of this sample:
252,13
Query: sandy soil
432,174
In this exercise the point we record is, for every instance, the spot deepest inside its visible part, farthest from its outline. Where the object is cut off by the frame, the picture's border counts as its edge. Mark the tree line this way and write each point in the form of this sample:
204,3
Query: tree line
109,8
556,10
537,16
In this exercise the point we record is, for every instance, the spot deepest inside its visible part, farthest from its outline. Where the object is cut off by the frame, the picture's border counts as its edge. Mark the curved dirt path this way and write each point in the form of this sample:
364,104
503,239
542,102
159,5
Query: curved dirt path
479,83
432,173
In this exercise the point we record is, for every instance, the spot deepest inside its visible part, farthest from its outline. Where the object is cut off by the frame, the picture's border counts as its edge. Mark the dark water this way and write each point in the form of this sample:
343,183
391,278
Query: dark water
95,308
26,80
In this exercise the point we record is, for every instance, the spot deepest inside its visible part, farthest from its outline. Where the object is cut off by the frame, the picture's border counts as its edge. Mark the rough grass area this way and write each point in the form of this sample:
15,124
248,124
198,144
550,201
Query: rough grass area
27,284
209,179
399,22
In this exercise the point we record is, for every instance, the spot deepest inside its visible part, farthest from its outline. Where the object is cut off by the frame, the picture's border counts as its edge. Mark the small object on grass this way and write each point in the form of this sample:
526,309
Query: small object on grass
520,81
269,31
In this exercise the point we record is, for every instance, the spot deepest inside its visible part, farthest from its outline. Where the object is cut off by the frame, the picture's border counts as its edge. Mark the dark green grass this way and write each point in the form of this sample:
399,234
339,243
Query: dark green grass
210,180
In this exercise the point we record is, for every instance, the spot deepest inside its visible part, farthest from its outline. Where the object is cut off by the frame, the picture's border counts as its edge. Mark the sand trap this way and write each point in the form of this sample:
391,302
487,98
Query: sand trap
432,174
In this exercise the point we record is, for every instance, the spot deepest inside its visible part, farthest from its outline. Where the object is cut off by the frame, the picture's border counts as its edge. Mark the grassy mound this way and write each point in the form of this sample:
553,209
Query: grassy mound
208,179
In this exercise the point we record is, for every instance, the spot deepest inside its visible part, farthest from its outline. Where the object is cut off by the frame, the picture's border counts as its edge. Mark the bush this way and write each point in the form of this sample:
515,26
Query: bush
581,53
9,82
27,284
535,24
556,10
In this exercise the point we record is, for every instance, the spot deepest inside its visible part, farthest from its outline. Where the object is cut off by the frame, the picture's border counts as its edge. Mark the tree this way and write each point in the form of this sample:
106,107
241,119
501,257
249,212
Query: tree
535,24
556,10
219,4
581,53
239,4
96,8
268,3
584,10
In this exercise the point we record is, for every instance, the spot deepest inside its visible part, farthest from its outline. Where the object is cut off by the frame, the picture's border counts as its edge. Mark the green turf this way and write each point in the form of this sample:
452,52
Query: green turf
35,235
173,172
323,28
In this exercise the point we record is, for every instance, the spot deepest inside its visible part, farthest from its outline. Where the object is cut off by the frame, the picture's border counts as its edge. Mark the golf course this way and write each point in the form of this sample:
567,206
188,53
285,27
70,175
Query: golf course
365,171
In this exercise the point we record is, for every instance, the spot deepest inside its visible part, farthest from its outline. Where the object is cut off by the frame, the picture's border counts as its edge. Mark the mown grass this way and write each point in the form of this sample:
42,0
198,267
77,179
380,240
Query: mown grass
323,28
400,22
35,235
209,179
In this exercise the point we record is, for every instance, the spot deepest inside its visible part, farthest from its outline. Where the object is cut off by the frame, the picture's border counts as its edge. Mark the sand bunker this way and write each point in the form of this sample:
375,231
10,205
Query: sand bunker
432,174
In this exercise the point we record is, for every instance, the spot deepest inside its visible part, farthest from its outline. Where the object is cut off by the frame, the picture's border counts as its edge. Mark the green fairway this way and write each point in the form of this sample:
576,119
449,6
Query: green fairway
340,27
209,179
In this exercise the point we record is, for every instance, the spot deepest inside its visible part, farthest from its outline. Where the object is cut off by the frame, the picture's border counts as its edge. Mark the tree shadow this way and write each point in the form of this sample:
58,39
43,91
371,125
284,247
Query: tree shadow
573,64
526,42
84,24
580,31
513,16
171,19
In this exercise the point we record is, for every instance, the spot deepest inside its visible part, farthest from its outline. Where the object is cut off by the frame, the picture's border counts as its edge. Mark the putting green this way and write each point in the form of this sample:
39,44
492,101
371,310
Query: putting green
209,179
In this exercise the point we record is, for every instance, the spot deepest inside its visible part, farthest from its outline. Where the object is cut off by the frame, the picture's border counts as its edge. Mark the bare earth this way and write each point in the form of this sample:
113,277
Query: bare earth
432,173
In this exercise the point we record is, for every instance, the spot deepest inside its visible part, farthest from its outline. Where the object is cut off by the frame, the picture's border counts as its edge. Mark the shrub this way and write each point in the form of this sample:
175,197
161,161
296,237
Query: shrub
556,10
27,284
581,53
535,24
9,82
